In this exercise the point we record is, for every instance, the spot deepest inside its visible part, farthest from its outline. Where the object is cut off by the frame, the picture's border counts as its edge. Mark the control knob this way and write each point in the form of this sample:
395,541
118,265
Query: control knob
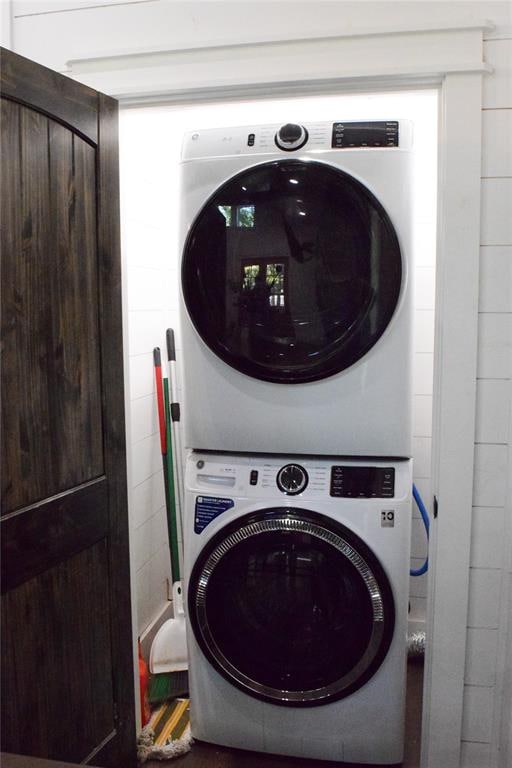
291,136
292,479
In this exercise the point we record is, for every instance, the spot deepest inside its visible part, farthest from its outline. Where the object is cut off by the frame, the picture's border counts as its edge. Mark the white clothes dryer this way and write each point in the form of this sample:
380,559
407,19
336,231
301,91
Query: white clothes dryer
296,577
296,289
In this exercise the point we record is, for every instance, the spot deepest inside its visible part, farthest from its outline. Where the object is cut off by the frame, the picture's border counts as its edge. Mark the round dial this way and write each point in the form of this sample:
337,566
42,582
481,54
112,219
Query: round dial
292,479
291,136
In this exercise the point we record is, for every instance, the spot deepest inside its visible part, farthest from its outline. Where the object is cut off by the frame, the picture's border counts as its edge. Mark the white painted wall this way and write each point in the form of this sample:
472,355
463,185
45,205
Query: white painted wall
60,37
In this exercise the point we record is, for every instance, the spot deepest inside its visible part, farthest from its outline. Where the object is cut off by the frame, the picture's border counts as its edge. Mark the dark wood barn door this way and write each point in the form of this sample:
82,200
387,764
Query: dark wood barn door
67,668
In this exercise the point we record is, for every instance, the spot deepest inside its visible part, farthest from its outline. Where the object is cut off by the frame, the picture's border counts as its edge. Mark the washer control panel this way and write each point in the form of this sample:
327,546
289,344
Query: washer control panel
288,479
292,479
362,482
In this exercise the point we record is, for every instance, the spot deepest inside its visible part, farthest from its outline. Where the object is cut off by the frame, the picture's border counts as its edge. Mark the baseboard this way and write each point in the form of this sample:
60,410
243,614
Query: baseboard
147,637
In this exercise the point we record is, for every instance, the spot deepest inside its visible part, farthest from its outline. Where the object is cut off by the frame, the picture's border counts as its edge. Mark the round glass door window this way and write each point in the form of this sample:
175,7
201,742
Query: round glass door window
291,607
291,271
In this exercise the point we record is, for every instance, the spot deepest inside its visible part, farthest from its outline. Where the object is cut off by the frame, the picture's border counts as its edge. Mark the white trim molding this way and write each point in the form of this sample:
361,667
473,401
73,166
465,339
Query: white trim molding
456,340
502,741
172,75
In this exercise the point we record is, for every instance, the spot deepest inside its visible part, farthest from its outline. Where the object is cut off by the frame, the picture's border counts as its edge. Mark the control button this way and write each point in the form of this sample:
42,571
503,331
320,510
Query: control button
292,479
250,139
291,137
254,477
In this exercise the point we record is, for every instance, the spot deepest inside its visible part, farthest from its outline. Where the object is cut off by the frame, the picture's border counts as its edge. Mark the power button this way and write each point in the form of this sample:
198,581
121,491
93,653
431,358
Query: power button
254,477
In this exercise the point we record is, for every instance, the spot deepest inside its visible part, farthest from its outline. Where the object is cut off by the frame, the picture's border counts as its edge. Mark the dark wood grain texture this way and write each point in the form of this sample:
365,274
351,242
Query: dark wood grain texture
22,761
56,673
67,664
50,93
36,538
25,169
51,407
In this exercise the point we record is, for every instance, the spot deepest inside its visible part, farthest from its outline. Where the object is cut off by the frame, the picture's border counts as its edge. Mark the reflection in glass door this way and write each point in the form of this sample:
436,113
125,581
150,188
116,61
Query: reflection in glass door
292,271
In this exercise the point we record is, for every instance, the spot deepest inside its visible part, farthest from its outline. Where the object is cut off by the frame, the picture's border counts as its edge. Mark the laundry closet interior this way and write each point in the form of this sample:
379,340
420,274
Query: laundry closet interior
152,190
150,220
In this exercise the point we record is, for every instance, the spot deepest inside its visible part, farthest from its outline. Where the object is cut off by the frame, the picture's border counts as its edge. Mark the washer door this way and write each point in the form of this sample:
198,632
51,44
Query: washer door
291,607
291,271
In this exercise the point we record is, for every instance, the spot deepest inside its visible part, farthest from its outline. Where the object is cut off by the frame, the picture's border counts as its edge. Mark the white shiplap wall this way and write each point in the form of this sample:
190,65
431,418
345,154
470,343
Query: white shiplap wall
490,571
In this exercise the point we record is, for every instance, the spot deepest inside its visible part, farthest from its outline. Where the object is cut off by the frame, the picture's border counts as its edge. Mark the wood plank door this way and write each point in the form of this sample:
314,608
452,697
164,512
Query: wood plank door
67,664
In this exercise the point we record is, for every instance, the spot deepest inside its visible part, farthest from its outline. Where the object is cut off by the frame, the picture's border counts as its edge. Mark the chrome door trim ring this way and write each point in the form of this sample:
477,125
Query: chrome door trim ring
326,693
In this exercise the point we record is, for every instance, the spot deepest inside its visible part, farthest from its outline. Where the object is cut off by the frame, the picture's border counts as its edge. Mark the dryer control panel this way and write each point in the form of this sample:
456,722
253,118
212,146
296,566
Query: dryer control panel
285,139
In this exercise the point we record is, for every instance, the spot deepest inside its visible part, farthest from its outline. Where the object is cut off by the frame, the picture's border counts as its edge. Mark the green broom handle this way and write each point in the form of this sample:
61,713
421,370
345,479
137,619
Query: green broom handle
171,520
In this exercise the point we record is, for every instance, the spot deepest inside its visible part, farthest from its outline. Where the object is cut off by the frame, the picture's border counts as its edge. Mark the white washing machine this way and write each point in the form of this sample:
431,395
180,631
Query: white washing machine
297,581
296,288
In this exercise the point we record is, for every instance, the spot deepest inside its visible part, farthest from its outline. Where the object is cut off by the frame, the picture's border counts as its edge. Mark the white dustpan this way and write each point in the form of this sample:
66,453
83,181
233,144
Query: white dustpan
169,647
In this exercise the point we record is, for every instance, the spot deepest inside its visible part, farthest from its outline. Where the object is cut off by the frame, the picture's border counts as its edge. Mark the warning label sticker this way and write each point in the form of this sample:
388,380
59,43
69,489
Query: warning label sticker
207,509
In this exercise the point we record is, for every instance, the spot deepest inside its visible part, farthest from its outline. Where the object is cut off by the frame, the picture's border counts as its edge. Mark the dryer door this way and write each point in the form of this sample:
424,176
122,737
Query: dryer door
291,271
291,607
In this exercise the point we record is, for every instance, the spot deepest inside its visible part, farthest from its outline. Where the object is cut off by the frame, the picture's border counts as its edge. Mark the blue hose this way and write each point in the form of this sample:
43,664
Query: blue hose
426,523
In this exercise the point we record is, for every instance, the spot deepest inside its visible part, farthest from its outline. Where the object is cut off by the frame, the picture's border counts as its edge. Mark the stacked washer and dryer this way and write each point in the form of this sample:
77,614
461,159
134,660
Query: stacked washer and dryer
296,324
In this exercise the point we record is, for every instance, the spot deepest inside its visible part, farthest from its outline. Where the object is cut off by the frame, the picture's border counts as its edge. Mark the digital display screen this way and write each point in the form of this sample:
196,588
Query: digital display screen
362,482
365,134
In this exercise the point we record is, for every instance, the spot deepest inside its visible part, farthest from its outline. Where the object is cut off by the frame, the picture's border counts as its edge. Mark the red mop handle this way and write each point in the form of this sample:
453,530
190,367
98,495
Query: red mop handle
160,399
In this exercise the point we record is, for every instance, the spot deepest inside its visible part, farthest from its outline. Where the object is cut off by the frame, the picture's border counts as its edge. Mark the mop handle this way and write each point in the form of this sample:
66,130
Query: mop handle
160,399
171,518
175,416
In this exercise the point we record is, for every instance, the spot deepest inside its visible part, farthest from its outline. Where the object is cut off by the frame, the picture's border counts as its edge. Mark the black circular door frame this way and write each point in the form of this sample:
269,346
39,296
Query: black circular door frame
340,279
322,530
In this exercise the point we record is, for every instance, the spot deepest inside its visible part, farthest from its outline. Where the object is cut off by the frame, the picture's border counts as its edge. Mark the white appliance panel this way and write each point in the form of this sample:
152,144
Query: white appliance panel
366,726
366,409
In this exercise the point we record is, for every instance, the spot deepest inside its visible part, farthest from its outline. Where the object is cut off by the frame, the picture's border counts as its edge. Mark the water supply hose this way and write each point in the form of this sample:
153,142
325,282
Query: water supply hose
426,522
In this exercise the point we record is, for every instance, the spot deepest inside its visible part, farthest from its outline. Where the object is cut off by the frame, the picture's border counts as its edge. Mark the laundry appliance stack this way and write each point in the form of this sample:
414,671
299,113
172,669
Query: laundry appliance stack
296,326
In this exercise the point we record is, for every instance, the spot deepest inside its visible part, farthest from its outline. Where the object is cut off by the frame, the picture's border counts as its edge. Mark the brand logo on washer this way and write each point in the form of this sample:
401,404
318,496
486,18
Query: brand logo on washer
387,518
